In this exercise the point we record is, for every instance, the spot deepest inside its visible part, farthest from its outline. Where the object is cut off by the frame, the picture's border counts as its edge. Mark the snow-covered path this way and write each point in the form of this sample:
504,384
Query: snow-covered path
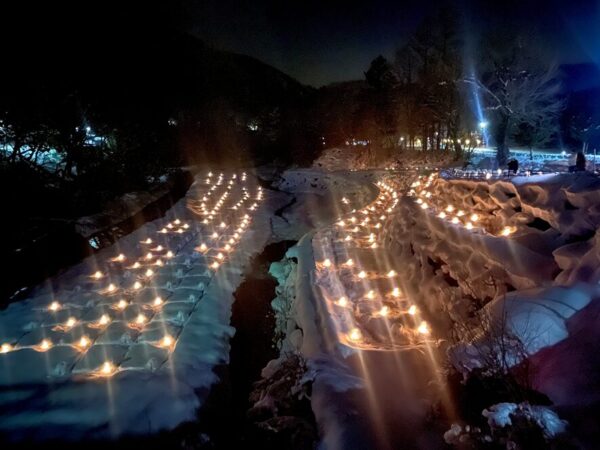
126,341
374,360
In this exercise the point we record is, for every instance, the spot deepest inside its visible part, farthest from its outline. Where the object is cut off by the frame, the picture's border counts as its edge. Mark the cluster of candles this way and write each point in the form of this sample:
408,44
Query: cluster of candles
360,230
229,227
224,236
470,220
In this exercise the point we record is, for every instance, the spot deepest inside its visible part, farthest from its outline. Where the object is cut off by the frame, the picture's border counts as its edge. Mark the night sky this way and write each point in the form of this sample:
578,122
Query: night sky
317,42
322,42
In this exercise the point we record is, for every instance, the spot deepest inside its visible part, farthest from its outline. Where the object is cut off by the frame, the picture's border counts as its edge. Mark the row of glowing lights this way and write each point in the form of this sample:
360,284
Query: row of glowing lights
85,342
167,341
454,215
371,221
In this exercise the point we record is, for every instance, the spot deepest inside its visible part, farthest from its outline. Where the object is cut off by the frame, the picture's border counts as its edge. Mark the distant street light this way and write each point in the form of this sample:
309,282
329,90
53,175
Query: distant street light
483,124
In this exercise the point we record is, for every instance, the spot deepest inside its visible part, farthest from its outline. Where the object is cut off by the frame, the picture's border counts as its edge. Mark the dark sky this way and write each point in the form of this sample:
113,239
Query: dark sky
327,41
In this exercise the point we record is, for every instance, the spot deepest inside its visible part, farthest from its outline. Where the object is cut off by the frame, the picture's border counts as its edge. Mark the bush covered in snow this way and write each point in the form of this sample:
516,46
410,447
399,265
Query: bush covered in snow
511,426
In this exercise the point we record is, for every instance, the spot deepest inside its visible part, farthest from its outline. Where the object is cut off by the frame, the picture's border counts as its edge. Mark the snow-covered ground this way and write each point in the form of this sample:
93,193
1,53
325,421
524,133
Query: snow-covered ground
126,341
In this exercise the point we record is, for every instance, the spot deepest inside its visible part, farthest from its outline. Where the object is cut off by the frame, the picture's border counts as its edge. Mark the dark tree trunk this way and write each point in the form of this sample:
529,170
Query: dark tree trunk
502,151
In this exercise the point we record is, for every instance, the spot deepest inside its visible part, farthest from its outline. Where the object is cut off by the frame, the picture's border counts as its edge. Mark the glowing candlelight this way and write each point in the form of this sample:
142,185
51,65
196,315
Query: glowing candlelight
54,306
384,311
396,292
342,301
119,258
167,341
455,220
214,265
349,262
370,295
423,328
97,275
70,323
140,319
159,262
203,247
355,335
460,213
327,263
449,208
104,320
84,342
149,255
5,348
148,241
374,245
149,273
391,274
107,368
474,217
136,265
177,221
412,310
507,231
469,226
137,285
158,301
122,304
362,274
44,345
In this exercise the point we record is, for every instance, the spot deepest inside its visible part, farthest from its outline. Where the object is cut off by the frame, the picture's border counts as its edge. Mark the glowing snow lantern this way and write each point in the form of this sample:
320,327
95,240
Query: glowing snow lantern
423,328
119,258
44,345
104,319
412,310
474,217
327,263
362,274
83,343
396,292
97,275
391,274
169,254
442,215
5,348
507,231
215,265
342,301
122,304
158,301
355,335
107,368
455,220
54,306
384,311
167,341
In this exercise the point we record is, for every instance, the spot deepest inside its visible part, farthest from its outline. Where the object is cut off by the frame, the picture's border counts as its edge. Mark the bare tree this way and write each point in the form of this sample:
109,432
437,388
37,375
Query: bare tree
516,88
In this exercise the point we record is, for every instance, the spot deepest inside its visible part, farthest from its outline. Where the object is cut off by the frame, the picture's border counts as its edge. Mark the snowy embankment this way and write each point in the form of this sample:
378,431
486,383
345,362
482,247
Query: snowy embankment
126,341
525,254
